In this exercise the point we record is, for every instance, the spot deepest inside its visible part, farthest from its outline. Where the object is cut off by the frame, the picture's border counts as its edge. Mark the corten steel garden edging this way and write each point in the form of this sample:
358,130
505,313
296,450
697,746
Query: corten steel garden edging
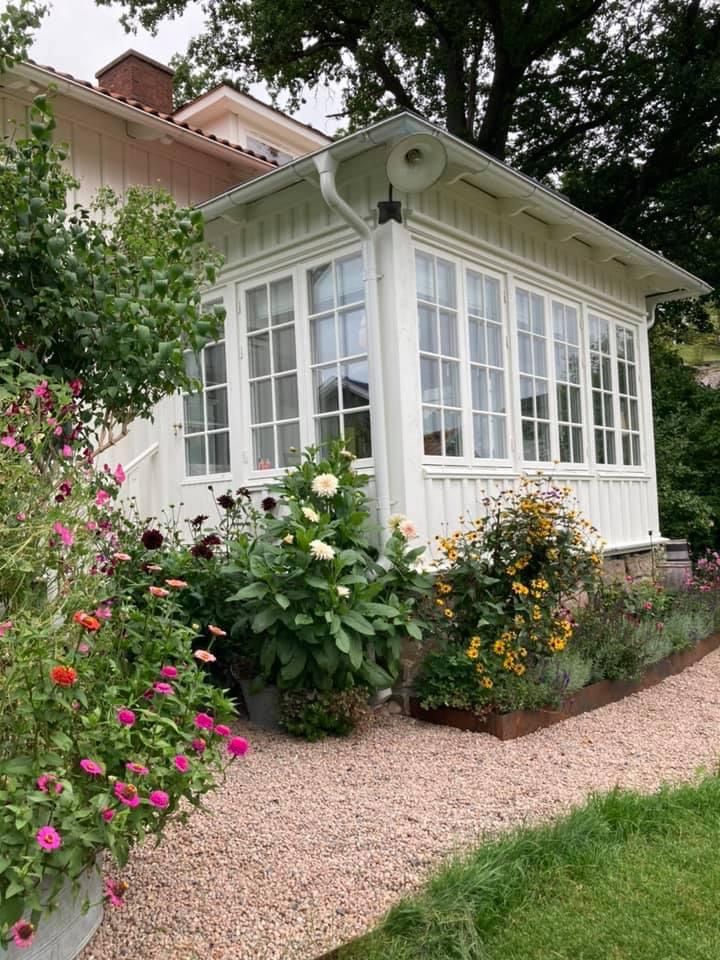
519,723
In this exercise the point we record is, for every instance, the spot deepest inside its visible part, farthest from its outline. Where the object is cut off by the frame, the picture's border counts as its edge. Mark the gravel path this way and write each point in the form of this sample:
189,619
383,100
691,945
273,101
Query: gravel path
306,845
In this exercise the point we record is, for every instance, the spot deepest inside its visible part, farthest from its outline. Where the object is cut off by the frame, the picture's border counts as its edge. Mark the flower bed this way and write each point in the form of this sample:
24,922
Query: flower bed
519,723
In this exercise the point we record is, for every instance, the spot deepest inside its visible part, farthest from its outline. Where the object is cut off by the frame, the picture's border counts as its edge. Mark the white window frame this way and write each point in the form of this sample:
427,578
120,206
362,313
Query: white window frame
583,426
629,397
193,478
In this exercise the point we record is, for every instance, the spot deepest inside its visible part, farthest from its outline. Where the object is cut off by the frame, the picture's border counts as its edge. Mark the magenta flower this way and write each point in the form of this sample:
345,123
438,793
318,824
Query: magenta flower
158,798
199,745
238,747
4,627
67,450
101,498
115,891
48,838
169,672
119,474
181,763
103,612
165,688
107,814
48,781
22,934
126,793
222,731
126,717
65,535
204,721
90,767
137,768
8,441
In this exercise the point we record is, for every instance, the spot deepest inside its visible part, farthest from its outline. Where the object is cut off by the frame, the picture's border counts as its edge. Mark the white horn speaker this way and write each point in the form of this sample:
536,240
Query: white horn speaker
416,163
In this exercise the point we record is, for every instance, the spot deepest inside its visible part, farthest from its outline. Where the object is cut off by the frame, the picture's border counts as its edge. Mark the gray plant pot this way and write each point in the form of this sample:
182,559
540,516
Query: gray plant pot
62,934
263,706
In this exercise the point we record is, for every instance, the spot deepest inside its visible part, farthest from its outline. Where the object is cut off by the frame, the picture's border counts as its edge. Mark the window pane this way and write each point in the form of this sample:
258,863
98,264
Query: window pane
453,434
215,371
634,421
542,401
257,311
326,389
608,405
622,378
492,299
599,446
446,283
288,440
626,449
595,370
219,452
328,429
323,339
481,429
353,333
425,277
427,321
497,434
451,383
261,401
193,366
479,382
259,350
494,342
528,434
195,456
497,391
321,289
610,447
357,433
636,449
356,390
477,341
286,398
284,349
194,413
539,356
217,408
571,326
565,448
281,301
264,448
575,405
538,314
558,315
448,333
561,369
430,379
527,394
543,433
432,432
526,360
475,294
562,402
350,281
522,308
578,454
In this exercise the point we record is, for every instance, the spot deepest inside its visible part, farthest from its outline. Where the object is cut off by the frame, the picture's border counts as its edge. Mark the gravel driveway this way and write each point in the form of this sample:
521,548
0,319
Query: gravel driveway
306,845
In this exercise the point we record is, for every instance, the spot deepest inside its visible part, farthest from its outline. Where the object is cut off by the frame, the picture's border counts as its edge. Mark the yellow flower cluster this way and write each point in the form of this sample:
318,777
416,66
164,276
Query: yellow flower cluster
558,639
520,589
473,651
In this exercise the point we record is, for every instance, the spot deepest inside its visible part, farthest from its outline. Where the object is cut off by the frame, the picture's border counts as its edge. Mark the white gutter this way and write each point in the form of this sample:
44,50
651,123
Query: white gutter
326,166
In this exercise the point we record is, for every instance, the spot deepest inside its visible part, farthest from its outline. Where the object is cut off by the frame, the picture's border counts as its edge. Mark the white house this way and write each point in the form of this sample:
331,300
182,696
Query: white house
495,330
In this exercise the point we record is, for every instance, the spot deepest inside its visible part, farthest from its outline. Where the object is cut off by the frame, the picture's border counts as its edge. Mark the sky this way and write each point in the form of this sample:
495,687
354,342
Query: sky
78,37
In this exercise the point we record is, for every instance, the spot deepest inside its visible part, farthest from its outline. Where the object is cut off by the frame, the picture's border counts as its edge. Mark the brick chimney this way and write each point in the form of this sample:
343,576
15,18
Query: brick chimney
137,77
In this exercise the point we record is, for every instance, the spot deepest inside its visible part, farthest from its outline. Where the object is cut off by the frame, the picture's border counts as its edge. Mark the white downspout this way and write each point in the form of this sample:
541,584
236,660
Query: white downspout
326,166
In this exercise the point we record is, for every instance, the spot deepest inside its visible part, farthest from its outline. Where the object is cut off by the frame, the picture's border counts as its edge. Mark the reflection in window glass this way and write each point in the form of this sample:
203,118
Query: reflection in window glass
628,393
534,383
602,390
566,347
487,377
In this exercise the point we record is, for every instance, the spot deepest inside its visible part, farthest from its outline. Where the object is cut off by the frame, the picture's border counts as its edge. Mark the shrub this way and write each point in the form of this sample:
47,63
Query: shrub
313,714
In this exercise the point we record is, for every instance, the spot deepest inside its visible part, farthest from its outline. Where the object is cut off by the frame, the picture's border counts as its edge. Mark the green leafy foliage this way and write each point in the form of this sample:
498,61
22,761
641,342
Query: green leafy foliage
313,714
18,20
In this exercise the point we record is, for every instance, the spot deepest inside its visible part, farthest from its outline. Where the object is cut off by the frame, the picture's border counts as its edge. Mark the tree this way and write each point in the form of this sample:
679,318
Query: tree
616,102
17,22
110,304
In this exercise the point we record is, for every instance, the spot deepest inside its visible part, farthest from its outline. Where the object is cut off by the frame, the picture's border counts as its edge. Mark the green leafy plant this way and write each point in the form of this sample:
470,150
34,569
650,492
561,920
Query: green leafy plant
313,714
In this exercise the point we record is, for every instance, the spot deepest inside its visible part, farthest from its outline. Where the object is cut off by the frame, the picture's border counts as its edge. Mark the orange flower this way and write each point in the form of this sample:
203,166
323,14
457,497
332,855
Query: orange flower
63,676
159,591
85,620
216,631
177,584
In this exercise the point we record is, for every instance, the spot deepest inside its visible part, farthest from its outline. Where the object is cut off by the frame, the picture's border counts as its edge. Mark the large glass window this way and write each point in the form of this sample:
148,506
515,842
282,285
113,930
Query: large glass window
274,406
439,356
487,378
205,412
602,390
338,339
566,344
534,383
628,394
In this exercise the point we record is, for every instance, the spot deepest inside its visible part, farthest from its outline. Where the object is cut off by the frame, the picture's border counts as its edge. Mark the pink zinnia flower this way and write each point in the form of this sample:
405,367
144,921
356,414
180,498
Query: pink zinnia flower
122,557
169,672
216,631
137,768
158,798
107,814
153,567
238,747
222,731
176,584
101,498
21,516
91,768
205,656
41,390
48,838
22,934
48,781
67,450
8,441
65,535
204,721
126,717
127,793
159,591
4,627
119,474
21,448
84,648
115,891
103,613
199,745
181,763
165,688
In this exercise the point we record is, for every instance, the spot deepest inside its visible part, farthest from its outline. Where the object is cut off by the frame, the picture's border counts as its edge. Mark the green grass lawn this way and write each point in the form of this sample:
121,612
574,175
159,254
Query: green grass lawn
625,877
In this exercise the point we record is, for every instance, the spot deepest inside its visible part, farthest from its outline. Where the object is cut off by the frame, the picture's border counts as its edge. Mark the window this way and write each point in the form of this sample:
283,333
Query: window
338,342
439,356
205,413
602,390
487,379
274,405
566,343
628,394
534,383
267,151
